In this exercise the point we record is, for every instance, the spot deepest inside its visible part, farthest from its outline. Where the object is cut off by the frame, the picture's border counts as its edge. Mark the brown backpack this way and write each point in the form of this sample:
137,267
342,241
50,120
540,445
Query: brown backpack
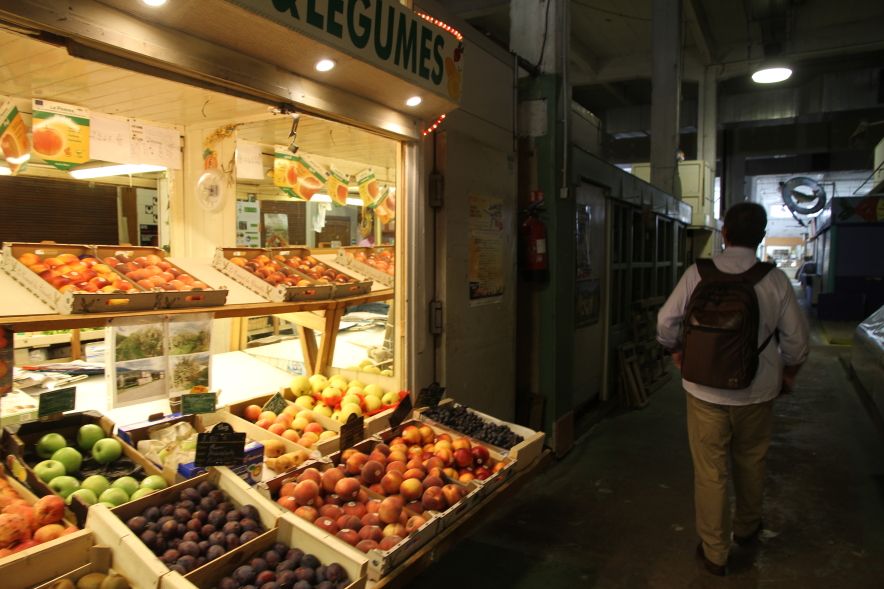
720,331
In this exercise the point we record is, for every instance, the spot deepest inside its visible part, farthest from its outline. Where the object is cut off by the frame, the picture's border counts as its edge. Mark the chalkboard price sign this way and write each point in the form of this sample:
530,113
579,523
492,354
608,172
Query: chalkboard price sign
430,396
220,447
276,403
352,432
198,403
57,401
401,411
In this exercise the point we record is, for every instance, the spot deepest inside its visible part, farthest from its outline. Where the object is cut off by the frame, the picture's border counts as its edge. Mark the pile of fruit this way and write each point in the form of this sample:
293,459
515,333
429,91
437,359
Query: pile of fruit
65,470
381,260
315,269
335,501
93,581
69,273
339,398
152,272
282,567
195,526
23,526
457,417
293,271
295,424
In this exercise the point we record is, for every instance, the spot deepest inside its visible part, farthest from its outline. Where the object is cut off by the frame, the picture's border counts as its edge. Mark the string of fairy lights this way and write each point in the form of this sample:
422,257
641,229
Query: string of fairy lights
457,35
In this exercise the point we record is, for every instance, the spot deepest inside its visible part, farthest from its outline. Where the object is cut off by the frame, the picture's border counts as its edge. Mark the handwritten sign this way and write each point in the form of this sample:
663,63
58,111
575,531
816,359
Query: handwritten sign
276,403
430,396
220,447
198,403
109,139
57,401
402,411
353,431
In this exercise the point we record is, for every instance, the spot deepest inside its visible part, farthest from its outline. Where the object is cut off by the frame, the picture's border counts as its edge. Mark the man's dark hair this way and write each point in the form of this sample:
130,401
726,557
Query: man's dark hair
745,223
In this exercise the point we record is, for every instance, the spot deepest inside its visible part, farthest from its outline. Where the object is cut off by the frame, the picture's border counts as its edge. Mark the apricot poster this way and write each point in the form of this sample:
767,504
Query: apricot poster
14,138
60,133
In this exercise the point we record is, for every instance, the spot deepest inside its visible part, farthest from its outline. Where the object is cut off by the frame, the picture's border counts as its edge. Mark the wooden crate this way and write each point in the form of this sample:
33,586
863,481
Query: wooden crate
100,560
70,303
42,563
289,532
522,454
345,258
168,299
275,293
350,289
135,559
19,441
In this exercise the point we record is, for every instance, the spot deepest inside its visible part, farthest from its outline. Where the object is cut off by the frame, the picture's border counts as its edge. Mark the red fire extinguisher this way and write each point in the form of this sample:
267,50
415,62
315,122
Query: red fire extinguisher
535,259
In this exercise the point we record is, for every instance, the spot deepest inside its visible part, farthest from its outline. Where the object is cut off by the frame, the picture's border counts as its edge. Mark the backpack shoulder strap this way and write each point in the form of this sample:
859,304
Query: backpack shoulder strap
754,274
708,271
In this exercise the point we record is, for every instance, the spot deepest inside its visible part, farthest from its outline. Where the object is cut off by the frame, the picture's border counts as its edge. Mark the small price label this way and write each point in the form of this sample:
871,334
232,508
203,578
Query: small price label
198,403
220,447
276,403
57,401
401,411
430,396
352,432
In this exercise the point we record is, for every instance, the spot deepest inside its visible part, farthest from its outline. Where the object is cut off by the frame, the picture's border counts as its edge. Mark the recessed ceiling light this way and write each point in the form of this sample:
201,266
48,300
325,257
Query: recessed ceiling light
324,65
414,101
771,75
154,2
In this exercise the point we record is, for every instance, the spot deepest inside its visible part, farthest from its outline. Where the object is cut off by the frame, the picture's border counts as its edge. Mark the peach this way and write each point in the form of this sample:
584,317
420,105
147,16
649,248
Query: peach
327,524
291,435
389,542
411,434
433,481
371,519
391,482
372,472
307,512
411,489
453,493
277,428
330,478
306,491
396,465
288,502
434,500
355,508
310,474
269,415
331,511
414,522
367,545
346,488
373,532
349,536
395,529
390,509
427,434
355,463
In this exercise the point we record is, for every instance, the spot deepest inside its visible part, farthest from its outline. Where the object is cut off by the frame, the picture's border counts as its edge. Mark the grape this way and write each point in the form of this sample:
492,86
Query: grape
457,417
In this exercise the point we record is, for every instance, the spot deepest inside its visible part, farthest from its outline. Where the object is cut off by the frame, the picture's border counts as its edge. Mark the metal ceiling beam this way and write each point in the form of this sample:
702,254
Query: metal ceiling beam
467,9
701,31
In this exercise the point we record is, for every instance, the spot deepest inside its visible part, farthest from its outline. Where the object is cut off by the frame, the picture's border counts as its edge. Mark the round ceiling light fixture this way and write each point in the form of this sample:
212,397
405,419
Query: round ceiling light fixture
154,2
771,75
325,65
414,101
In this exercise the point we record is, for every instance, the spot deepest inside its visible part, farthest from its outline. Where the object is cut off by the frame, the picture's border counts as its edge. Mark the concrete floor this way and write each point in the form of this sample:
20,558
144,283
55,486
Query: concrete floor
617,510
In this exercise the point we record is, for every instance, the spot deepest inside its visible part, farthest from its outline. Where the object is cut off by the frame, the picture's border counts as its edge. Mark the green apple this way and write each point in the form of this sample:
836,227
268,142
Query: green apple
374,390
114,495
390,398
322,409
372,403
106,504
305,402
49,444
300,386
349,399
142,492
317,383
97,483
88,435
49,469
106,450
70,458
84,495
128,484
63,485
339,382
155,482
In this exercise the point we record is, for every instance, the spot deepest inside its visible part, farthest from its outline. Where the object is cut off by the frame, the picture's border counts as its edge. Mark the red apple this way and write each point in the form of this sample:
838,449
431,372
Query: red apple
480,455
463,458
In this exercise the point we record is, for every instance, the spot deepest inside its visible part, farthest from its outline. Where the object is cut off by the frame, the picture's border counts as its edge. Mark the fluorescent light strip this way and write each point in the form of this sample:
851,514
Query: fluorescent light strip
115,170
4,171
320,197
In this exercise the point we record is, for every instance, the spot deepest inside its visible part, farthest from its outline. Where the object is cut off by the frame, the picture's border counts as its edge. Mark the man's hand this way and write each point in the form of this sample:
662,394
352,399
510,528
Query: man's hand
676,359
789,374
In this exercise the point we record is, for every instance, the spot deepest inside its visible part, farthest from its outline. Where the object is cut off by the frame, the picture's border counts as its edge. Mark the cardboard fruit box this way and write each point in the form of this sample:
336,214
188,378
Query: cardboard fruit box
66,303
253,469
19,443
133,556
380,562
348,256
36,566
167,297
288,532
95,559
522,454
353,287
322,447
277,293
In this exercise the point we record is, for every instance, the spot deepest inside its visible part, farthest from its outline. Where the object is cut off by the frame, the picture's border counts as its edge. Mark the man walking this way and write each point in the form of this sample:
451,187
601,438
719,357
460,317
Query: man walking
735,330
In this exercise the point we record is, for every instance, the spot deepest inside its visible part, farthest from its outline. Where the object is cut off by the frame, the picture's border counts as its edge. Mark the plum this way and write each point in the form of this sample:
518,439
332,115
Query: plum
286,565
232,527
248,524
170,555
259,564
207,530
285,579
191,494
191,536
270,585
188,562
264,577
228,583
216,518
310,561
149,538
244,575
137,524
325,585
303,573
163,519
217,495
202,515
182,529
225,506
215,551
200,561
186,504
208,504
189,547
295,554
302,585
204,546
231,541
152,513
250,511
181,514
280,548
218,538
178,569
247,536
335,572
272,558
319,574
167,509
204,488
233,515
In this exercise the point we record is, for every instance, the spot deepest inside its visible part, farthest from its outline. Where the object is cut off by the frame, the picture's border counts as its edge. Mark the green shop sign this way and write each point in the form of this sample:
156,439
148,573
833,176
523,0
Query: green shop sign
379,32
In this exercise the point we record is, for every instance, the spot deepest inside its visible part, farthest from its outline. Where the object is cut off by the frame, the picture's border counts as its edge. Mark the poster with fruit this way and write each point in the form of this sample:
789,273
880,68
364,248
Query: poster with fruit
6,360
296,176
337,186
14,140
369,190
60,133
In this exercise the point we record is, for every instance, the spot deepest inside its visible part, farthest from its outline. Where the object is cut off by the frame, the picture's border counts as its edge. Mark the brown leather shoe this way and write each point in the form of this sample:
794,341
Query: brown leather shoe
749,539
719,570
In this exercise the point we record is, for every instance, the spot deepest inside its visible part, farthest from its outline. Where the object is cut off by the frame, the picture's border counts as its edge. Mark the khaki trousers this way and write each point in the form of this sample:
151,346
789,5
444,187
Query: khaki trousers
719,435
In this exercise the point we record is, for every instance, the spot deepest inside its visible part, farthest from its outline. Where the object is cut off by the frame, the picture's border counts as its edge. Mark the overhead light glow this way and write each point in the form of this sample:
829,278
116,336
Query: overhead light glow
320,197
324,65
771,75
414,101
114,170
154,2
4,171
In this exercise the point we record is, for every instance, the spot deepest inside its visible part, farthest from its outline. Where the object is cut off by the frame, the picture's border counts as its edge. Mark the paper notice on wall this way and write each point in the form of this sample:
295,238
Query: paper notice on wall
158,146
248,161
110,139
486,246
60,133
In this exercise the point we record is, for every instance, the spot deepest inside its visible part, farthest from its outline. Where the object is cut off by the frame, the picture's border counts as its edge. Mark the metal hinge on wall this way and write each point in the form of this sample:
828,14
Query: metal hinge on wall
436,317
435,190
